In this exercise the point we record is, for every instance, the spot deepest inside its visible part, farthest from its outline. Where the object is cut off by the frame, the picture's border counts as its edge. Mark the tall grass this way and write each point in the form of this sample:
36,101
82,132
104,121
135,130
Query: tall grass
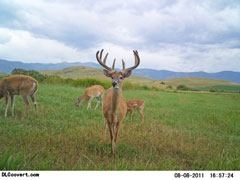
89,82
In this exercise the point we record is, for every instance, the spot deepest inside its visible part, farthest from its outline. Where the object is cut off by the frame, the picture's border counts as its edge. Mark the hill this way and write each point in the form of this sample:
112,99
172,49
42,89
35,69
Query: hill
8,66
164,74
192,82
76,72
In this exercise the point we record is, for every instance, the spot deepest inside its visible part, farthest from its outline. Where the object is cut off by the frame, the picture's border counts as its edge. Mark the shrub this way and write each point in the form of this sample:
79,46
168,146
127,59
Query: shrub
162,82
54,80
213,90
89,82
146,87
169,87
35,74
183,87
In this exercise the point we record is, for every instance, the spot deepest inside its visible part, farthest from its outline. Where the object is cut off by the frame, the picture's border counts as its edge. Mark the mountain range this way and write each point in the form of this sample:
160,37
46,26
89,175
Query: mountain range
7,66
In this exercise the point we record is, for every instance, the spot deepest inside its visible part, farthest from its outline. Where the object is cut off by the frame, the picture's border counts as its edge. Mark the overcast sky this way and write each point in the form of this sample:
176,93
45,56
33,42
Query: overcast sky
178,35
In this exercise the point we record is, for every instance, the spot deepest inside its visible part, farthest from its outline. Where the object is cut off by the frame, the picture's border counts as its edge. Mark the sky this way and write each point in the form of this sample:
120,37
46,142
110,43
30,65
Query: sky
176,35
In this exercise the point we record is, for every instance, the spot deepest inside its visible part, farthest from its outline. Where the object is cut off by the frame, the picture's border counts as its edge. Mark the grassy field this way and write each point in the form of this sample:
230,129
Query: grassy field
222,88
182,131
196,82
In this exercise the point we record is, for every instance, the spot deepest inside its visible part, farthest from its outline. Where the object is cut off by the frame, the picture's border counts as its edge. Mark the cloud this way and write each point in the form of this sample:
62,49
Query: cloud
169,34
21,45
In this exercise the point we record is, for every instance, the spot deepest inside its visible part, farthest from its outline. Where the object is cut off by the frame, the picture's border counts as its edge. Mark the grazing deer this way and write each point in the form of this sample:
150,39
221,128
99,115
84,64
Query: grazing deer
135,104
19,85
95,91
114,105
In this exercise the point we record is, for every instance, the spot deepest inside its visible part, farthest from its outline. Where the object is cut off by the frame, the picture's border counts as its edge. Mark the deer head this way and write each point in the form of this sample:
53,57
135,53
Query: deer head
117,77
78,101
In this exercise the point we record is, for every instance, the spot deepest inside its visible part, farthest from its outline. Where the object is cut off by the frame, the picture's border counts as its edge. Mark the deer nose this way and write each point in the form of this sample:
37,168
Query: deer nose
114,84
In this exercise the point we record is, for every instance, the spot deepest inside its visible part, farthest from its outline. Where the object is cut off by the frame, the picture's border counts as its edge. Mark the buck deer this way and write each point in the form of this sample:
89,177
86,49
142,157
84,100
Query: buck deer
135,104
95,91
114,105
18,85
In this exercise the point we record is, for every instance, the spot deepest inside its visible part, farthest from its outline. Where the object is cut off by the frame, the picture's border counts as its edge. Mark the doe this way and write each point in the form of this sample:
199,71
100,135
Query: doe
95,91
19,85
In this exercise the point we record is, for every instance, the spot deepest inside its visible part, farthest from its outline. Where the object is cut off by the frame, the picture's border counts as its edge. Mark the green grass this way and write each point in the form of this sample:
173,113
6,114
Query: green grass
181,131
222,88
195,82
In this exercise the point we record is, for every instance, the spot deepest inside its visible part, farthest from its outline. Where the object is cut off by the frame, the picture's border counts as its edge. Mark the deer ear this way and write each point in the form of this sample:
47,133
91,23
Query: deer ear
107,73
127,73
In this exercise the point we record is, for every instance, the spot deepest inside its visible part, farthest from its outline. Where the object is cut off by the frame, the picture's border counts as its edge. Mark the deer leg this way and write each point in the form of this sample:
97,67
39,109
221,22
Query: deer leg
113,129
6,106
111,135
97,102
101,99
118,126
126,114
25,99
131,114
35,104
140,110
141,114
89,103
105,127
12,104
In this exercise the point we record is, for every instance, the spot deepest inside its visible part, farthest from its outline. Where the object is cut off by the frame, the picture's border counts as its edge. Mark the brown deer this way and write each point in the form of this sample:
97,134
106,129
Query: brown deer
135,104
19,85
95,91
114,105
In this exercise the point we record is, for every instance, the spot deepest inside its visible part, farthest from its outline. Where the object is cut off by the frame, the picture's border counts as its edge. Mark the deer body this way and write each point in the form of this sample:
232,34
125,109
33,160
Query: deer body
114,105
19,85
95,91
114,110
136,104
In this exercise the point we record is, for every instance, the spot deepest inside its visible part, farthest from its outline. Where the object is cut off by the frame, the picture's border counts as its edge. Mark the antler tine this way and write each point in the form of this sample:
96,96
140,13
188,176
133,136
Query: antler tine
113,66
123,64
100,60
137,61
105,58
101,54
136,56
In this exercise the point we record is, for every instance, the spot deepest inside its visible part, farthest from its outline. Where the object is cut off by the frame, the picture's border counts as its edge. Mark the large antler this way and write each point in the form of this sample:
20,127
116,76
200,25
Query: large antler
103,63
137,62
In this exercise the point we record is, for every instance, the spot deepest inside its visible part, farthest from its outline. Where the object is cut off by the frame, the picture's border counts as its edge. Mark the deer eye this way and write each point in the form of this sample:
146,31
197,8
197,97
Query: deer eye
121,77
112,77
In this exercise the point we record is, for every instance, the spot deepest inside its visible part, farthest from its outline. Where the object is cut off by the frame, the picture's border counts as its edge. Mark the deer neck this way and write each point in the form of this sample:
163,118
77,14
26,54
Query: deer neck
116,97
